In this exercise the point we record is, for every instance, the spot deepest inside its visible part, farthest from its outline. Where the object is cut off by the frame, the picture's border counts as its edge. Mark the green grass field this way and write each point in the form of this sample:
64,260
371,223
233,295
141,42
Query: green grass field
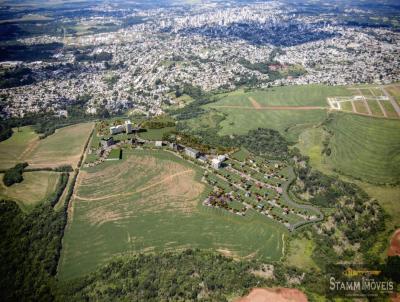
302,95
375,109
346,106
241,155
300,254
366,148
35,188
155,134
394,90
12,149
390,111
63,147
151,201
289,123
115,154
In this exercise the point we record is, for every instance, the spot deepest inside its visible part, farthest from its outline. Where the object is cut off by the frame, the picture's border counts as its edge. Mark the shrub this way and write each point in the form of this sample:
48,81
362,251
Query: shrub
14,175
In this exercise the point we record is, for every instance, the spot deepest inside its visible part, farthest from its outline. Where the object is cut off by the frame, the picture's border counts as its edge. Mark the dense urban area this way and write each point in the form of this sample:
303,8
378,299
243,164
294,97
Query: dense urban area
215,46
239,150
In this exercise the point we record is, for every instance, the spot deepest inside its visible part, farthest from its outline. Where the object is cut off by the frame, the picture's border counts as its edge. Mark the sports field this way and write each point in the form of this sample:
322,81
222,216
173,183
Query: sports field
151,201
35,187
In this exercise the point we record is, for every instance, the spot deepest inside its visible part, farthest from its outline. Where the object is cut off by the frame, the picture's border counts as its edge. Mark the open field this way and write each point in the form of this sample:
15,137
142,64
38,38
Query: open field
303,95
300,254
362,147
289,109
310,144
366,148
289,123
35,187
13,149
377,101
394,90
151,201
63,147
155,134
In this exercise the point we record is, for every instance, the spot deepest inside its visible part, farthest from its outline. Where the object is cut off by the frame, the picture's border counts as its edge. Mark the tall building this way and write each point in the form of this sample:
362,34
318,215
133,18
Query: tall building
128,126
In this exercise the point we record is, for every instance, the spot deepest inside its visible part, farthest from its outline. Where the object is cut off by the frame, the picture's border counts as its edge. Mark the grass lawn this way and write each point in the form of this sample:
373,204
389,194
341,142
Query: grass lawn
155,134
151,201
91,158
115,154
63,147
241,155
366,148
35,188
12,149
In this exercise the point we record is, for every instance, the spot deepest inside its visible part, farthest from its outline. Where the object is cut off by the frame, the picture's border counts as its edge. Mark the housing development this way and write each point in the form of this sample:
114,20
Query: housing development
233,151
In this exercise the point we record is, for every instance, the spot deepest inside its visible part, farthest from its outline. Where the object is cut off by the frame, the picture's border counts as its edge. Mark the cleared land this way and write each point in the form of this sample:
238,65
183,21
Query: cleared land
306,95
14,149
289,123
394,90
362,147
300,254
366,148
274,294
35,187
289,109
377,101
151,201
63,147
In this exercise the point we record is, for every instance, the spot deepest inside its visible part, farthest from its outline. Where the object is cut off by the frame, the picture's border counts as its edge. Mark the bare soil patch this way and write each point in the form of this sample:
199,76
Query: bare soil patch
394,248
254,103
275,295
143,184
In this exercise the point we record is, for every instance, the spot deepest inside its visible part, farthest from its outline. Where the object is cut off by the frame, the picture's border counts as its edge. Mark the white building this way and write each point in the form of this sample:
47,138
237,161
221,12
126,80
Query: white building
128,126
117,129
217,162
192,152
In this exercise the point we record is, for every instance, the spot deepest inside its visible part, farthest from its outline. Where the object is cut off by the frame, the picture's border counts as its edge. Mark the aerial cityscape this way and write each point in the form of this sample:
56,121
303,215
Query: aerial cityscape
242,151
